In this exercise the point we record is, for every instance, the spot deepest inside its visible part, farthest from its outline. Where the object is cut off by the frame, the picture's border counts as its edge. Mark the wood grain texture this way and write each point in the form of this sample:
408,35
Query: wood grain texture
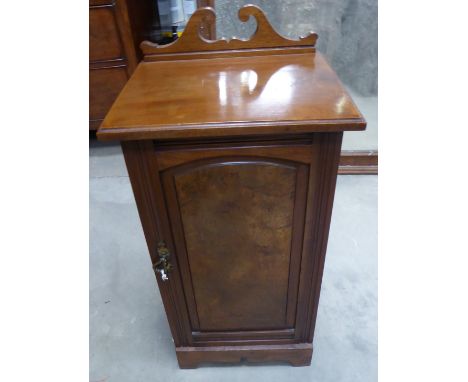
104,86
295,354
115,30
248,153
158,217
239,270
104,40
233,162
233,96
330,147
263,86
240,335
139,17
125,32
192,41
147,189
359,162
294,151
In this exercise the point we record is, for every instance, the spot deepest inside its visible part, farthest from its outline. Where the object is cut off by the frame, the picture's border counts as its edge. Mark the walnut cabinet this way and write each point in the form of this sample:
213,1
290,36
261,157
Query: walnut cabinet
232,150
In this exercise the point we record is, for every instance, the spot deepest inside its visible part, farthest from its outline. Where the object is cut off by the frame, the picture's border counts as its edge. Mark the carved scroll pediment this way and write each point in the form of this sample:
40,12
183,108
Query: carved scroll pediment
264,37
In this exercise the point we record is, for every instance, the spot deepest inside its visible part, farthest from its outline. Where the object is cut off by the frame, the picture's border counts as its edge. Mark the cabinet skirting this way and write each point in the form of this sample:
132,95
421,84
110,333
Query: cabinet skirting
295,354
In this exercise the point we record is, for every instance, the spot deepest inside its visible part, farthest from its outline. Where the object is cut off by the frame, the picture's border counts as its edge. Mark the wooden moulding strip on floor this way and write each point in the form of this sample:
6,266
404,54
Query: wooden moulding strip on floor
358,162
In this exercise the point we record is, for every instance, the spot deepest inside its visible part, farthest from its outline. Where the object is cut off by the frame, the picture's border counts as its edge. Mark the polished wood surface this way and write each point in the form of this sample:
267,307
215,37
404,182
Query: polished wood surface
233,157
186,196
116,29
264,92
235,290
231,96
247,278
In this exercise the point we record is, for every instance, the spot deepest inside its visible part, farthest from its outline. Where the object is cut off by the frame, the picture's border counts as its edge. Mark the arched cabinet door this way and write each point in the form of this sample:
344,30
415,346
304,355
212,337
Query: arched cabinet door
239,233
233,219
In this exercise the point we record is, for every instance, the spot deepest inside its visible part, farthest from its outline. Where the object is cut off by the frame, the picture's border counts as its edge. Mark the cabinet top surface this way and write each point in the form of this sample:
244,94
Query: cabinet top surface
274,94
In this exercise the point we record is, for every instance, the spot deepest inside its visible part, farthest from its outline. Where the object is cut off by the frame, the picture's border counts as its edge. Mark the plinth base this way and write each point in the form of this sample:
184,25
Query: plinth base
295,354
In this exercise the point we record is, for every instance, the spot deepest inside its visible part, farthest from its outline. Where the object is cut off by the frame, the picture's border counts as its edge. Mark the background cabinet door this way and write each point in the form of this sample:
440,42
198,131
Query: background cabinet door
237,217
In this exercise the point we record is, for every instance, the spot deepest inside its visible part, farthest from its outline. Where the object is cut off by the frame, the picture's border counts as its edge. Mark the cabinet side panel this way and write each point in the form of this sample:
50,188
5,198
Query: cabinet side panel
329,158
142,171
323,172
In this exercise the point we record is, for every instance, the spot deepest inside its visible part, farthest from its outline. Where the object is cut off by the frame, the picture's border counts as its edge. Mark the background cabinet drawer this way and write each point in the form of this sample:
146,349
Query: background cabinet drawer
104,85
104,40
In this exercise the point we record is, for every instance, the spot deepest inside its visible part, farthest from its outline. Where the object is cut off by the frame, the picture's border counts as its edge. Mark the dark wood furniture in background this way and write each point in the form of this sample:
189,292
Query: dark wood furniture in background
232,150
116,29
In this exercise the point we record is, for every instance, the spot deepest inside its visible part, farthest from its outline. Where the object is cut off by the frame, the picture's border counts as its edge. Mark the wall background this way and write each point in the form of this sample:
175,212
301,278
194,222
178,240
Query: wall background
347,31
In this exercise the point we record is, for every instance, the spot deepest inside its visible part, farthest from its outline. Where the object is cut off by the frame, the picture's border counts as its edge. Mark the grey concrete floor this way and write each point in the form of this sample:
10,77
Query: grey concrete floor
367,139
129,333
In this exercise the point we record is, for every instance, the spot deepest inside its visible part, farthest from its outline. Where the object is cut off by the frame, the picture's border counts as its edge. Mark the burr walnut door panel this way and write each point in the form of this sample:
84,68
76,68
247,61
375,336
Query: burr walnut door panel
237,217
